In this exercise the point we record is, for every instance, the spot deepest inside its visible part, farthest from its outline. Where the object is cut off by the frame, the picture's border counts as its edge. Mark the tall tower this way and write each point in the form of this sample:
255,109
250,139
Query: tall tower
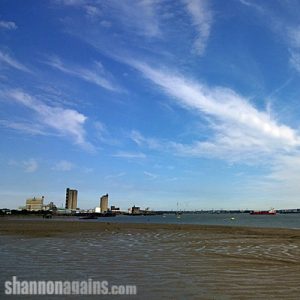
71,199
104,203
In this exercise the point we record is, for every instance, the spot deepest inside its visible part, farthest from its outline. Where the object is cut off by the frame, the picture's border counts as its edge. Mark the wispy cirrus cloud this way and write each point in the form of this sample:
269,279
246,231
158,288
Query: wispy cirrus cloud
103,135
8,25
66,122
27,127
287,30
294,44
30,165
150,175
63,166
6,59
241,131
138,17
90,8
114,176
130,155
202,19
96,75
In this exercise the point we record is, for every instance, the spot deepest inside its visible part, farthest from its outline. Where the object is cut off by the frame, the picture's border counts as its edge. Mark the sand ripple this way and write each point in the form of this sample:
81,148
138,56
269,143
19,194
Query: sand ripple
166,264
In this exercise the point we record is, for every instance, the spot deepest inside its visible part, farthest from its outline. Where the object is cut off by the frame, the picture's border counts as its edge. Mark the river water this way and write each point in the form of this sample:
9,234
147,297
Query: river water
243,219
165,264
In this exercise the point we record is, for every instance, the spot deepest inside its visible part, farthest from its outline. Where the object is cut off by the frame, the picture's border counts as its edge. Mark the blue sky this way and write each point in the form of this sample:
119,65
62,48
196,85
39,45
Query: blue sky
153,102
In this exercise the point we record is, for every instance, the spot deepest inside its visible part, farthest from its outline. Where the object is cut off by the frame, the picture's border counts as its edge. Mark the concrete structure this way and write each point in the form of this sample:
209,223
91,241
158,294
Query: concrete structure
135,210
104,203
71,199
35,204
113,208
51,206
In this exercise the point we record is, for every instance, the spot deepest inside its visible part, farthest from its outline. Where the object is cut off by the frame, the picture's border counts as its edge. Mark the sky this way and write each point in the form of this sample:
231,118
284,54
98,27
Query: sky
155,102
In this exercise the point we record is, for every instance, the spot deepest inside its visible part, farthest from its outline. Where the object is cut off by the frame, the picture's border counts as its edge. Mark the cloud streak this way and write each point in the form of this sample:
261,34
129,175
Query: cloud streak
67,122
97,76
8,25
138,17
30,166
201,17
13,63
130,155
63,166
241,130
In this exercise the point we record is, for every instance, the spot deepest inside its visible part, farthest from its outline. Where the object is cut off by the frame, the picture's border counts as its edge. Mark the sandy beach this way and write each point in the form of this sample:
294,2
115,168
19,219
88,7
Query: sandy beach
165,261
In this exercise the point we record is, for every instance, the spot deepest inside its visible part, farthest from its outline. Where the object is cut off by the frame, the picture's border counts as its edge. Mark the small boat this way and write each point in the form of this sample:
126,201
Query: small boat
263,212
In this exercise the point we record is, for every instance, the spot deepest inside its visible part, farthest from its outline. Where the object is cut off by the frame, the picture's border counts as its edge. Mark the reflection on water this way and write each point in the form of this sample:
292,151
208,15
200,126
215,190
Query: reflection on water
163,264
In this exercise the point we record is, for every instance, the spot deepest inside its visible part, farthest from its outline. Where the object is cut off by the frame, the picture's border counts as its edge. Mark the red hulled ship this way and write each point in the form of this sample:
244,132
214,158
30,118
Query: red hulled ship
263,212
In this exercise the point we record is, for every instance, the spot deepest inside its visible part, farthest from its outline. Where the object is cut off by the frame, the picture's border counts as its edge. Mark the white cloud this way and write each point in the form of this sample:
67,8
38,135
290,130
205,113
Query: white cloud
30,165
67,122
97,76
295,60
138,17
139,139
294,36
241,130
72,2
282,182
253,5
150,175
8,60
202,19
113,176
92,11
63,165
30,128
123,154
103,135
8,25
105,23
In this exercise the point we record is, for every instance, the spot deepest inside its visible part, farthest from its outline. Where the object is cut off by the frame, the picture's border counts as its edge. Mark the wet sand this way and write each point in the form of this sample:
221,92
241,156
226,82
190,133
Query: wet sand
165,261
61,227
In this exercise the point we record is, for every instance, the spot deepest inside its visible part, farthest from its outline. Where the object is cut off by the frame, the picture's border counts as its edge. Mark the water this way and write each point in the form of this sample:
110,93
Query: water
166,264
163,264
291,221
273,221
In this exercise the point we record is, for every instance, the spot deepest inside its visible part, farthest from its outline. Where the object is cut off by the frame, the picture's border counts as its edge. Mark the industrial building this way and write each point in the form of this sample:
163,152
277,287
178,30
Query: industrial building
71,199
104,203
35,204
135,210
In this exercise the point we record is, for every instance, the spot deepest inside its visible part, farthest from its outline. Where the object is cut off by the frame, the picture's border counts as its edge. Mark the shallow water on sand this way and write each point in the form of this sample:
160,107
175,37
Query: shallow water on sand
164,264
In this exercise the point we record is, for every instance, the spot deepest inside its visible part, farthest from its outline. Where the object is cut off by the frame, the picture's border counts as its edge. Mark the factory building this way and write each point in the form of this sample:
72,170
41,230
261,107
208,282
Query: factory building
71,199
35,204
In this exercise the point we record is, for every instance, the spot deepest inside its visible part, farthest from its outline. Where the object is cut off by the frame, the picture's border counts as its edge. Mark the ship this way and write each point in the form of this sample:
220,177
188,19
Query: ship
263,212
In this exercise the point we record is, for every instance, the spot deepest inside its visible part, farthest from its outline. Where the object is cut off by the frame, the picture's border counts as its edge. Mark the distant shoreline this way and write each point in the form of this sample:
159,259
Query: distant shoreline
48,228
